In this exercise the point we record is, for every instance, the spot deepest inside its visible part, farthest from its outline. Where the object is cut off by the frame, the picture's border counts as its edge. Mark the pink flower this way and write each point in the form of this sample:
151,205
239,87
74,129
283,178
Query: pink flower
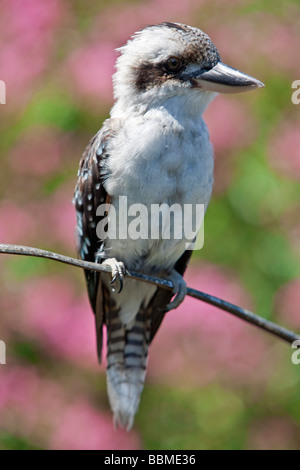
38,152
284,150
16,224
198,343
229,125
280,46
50,416
26,36
11,394
273,433
59,213
81,428
56,219
27,402
60,321
226,36
119,22
258,36
287,303
231,128
91,68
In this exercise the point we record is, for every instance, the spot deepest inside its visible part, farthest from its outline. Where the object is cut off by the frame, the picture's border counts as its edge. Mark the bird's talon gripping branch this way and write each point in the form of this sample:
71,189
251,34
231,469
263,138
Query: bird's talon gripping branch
180,290
118,272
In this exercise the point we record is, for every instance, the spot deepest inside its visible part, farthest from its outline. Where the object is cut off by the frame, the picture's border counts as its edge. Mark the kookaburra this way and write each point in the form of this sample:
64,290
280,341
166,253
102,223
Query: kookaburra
154,149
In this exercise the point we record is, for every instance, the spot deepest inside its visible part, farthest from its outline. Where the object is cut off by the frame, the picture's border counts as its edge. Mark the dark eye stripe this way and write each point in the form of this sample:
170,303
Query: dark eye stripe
148,74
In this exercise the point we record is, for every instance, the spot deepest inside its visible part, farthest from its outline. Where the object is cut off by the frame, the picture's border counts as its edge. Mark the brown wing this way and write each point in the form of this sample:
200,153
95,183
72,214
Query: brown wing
89,194
162,297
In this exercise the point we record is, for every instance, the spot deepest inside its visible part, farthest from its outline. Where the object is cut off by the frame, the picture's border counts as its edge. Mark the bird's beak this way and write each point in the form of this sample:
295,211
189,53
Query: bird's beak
224,79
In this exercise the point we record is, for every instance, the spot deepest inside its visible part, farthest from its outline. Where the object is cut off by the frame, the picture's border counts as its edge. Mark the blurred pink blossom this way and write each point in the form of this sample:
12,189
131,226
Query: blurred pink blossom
229,124
225,37
91,68
231,128
27,402
63,323
17,225
56,218
60,216
38,152
198,343
273,433
81,428
26,36
284,150
280,45
287,303
259,36
39,409
10,391
120,22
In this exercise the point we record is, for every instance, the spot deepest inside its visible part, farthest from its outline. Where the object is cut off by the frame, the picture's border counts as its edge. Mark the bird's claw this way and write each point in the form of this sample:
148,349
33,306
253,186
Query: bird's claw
180,290
114,279
118,271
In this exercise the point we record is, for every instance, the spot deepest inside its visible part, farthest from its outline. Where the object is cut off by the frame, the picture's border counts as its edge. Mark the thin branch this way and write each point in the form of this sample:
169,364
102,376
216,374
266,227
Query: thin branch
244,314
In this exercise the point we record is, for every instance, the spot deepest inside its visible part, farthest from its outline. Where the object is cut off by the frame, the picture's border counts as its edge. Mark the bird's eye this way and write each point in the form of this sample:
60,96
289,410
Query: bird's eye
174,64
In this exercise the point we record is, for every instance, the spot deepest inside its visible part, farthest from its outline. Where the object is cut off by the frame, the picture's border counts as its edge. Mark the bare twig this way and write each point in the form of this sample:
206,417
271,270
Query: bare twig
244,314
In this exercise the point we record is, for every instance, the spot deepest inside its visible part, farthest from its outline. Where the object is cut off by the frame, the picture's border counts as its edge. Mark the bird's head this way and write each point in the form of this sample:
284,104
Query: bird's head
172,60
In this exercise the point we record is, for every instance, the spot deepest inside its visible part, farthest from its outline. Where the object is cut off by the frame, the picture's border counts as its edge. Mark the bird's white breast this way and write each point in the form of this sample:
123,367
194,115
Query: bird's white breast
158,158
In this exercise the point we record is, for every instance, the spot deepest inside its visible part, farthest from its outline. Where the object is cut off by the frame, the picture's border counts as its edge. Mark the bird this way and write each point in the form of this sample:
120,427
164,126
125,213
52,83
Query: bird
154,149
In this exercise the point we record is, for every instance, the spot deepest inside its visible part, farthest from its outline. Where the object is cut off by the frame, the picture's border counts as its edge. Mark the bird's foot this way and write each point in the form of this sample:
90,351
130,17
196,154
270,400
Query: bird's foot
180,289
118,271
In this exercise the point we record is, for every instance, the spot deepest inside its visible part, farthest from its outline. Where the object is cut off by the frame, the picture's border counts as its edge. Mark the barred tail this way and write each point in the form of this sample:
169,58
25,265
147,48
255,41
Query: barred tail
127,353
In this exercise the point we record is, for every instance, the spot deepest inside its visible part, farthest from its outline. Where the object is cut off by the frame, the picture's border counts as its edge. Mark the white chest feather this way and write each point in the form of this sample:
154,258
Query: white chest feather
155,159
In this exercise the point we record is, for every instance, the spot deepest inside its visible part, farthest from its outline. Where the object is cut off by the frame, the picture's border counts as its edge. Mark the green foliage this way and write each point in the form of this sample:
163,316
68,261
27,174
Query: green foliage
14,442
207,418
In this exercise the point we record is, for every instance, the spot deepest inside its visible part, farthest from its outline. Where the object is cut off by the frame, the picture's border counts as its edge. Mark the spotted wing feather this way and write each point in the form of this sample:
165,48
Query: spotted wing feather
89,194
